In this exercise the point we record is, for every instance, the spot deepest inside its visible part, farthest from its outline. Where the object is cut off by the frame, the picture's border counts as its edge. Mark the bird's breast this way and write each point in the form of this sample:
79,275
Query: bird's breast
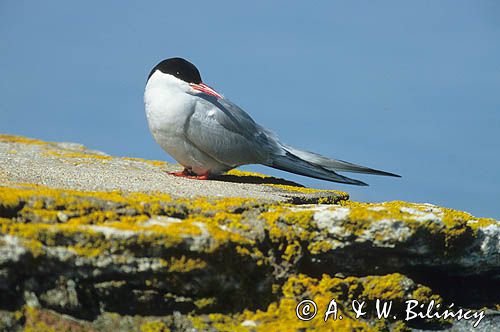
167,111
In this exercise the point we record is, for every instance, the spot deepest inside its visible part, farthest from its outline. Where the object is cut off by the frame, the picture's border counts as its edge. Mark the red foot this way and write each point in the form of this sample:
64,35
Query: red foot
186,173
183,173
201,177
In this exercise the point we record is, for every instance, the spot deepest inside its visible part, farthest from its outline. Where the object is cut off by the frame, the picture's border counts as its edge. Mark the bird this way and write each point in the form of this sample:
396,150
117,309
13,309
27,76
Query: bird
209,135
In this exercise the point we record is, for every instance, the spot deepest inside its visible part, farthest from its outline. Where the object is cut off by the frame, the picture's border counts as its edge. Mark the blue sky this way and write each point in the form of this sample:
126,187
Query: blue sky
409,87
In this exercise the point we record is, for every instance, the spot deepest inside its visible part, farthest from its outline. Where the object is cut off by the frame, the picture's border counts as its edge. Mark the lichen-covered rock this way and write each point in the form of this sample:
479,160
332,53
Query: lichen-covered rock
83,256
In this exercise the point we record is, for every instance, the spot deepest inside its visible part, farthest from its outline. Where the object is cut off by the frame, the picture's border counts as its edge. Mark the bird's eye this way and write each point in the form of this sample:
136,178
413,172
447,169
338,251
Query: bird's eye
178,73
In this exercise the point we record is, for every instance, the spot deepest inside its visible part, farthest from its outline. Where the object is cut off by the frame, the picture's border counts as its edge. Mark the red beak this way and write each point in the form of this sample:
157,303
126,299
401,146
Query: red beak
205,89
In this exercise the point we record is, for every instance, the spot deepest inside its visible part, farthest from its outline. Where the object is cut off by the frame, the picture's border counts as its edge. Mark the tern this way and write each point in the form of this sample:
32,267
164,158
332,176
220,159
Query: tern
209,135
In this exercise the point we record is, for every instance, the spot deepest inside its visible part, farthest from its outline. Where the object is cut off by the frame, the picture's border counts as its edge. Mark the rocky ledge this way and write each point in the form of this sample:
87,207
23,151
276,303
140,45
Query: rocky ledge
91,242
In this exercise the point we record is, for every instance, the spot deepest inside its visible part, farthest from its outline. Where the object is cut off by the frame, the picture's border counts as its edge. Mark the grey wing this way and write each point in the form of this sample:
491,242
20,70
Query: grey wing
228,134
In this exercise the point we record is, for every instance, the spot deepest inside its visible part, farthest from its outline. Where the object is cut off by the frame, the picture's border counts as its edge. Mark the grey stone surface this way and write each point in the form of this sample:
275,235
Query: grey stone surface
72,166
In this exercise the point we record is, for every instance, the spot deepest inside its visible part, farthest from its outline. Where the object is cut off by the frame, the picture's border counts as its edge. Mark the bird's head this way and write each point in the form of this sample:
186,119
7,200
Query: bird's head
182,72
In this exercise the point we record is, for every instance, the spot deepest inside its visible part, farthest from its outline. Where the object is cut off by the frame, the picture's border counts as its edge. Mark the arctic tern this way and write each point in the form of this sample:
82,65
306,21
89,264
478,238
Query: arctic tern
209,135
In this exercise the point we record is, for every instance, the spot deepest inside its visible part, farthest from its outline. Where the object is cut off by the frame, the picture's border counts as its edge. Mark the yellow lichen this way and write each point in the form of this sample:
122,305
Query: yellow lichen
293,229
150,162
388,287
204,302
72,154
424,294
305,190
236,172
198,323
8,199
86,252
457,227
184,264
56,211
155,326
20,139
281,316
58,215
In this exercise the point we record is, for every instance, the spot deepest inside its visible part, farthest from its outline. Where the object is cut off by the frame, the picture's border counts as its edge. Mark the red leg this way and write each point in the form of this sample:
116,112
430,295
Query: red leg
205,176
186,173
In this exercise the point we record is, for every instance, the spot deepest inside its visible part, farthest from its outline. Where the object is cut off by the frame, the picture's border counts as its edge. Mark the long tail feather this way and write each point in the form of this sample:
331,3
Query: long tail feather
294,164
316,166
333,164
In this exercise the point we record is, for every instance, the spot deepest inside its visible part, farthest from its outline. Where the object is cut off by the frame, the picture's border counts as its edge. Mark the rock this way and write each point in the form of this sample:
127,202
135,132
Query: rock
92,242
72,166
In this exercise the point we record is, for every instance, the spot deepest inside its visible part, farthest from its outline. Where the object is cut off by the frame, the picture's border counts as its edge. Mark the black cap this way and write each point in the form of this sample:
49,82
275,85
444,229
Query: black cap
180,68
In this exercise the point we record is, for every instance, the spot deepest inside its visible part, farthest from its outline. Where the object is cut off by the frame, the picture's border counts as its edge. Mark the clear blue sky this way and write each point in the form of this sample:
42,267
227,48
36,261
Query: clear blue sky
411,87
